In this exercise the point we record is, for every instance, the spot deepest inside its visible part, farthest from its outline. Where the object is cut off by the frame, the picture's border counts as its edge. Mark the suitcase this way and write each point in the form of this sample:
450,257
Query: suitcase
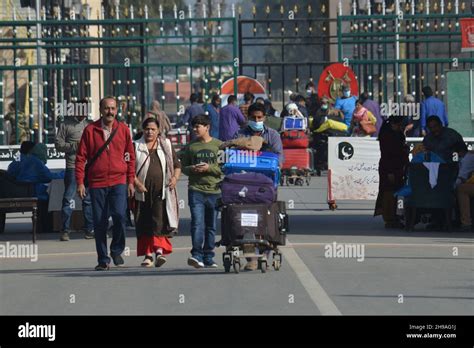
298,159
294,139
248,188
238,161
294,123
254,221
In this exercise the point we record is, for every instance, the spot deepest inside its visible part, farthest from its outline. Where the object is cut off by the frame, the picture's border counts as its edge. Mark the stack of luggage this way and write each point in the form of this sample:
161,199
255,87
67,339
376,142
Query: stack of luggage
251,216
298,164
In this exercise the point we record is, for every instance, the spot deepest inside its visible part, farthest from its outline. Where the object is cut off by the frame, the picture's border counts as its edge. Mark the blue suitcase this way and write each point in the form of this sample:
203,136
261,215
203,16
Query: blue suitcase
239,161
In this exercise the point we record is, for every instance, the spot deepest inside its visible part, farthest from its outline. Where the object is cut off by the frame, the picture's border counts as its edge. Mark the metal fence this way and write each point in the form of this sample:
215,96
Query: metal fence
69,55
394,47
397,50
293,46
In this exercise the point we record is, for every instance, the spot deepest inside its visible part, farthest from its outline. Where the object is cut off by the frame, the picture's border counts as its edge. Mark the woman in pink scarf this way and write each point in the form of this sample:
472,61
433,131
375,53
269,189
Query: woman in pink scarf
360,115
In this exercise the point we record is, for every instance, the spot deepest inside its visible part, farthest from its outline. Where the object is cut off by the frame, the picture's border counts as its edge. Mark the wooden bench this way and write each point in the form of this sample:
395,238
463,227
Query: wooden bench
19,205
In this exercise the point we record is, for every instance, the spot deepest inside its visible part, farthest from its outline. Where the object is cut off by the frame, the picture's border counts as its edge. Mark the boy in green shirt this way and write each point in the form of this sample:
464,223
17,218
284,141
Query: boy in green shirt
199,163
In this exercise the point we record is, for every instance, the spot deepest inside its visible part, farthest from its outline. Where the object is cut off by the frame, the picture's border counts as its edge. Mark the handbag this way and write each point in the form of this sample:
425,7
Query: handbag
96,156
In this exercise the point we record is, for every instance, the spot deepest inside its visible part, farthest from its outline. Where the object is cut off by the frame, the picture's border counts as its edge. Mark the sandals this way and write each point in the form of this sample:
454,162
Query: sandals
147,262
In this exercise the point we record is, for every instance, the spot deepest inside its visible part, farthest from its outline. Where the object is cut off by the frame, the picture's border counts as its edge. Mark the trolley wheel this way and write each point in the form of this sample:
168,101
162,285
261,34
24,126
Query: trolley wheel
236,266
263,266
227,265
308,180
299,182
276,265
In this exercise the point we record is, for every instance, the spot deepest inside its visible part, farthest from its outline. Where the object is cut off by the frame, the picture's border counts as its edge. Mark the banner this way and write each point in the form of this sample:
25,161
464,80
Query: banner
9,153
467,34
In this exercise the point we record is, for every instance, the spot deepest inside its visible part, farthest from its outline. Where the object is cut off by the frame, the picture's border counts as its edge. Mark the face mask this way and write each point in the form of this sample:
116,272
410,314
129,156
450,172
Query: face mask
256,126
347,94
324,106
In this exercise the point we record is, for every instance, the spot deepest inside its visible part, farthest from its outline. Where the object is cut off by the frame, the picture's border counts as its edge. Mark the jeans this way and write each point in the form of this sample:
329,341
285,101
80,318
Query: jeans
203,224
106,202
70,187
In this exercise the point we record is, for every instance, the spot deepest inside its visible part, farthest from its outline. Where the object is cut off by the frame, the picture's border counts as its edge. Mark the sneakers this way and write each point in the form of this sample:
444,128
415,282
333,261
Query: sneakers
102,267
118,260
210,264
89,235
251,266
160,260
192,261
64,236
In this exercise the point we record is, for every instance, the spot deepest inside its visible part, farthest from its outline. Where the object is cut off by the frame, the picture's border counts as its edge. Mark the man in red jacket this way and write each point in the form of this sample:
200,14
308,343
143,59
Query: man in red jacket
110,178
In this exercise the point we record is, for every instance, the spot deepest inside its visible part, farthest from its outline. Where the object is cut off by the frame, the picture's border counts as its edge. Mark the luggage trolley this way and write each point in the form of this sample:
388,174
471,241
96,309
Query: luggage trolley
298,165
246,227
297,168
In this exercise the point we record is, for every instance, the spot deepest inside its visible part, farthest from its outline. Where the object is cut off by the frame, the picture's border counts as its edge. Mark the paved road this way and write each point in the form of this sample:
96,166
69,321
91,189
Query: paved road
399,273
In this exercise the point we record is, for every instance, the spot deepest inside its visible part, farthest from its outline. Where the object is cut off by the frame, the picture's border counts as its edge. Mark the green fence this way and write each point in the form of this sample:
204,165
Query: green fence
398,52
133,57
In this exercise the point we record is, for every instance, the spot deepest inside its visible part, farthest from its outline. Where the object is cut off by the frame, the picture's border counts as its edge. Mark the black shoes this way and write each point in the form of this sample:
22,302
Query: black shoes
102,267
118,260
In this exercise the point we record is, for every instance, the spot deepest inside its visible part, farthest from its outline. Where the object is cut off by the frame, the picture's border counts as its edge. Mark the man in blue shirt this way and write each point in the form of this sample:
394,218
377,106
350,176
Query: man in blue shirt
432,106
346,104
213,110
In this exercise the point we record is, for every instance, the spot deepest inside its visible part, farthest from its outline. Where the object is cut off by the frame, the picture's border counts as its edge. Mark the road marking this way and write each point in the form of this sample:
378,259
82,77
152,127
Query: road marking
314,289
293,245
385,244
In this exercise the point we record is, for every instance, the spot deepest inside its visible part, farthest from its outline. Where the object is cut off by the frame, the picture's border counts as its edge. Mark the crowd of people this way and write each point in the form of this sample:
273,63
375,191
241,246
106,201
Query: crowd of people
113,173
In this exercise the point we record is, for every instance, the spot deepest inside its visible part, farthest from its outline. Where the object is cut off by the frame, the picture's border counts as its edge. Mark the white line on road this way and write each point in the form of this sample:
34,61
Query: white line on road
387,244
315,291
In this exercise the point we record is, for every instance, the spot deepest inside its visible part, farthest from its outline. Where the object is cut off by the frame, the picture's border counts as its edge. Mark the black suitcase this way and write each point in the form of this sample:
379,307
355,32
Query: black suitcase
254,221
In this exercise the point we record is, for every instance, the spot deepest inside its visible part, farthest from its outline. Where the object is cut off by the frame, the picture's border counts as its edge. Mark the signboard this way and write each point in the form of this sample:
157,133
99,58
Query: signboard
467,34
244,84
353,167
333,78
9,153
